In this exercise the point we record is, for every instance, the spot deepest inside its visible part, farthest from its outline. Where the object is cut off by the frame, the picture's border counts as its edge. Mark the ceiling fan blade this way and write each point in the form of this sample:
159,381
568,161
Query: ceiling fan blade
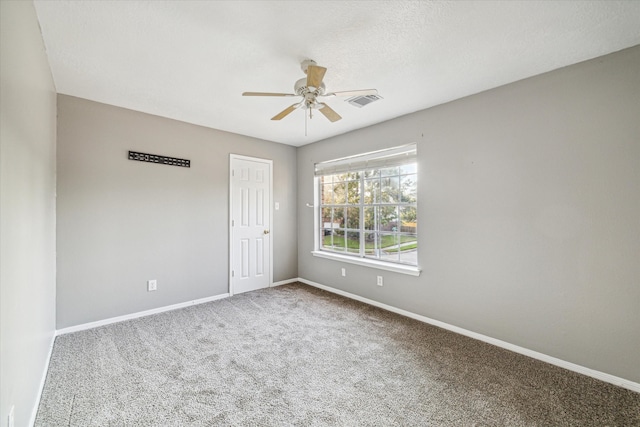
361,92
315,74
329,113
284,113
266,94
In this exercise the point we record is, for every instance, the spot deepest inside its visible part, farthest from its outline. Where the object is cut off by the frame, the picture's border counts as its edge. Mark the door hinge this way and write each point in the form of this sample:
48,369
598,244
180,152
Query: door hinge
233,172
233,273
233,223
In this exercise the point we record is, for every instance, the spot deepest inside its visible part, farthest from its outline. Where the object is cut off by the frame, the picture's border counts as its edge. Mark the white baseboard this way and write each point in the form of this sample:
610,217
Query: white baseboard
34,411
117,319
284,282
630,385
98,323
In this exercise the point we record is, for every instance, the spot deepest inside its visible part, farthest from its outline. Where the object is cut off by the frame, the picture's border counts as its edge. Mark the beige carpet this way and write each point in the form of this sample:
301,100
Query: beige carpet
295,355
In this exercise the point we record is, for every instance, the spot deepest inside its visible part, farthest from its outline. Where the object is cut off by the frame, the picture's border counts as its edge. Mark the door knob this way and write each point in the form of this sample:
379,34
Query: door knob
266,231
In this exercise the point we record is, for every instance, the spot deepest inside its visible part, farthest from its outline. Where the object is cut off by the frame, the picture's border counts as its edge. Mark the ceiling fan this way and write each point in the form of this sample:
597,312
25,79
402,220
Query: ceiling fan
310,89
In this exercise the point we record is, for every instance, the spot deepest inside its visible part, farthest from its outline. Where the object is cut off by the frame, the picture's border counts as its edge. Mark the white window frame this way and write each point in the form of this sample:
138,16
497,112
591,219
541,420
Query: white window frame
382,158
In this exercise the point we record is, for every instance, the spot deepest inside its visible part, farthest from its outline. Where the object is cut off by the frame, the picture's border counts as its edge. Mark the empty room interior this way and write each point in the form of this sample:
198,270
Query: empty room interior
320,213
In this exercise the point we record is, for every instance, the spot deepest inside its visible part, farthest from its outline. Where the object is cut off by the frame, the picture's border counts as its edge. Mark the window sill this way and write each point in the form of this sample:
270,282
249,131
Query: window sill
396,268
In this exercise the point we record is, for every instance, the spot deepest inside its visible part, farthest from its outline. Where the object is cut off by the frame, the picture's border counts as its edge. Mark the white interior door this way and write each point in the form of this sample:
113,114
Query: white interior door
250,224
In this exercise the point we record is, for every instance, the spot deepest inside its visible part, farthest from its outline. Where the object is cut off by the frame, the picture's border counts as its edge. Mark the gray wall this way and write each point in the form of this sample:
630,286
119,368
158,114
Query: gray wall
122,222
529,213
27,210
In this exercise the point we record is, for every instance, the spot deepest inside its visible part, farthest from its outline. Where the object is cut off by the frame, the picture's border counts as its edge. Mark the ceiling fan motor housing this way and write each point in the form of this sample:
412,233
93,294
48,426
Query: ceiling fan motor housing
309,93
301,88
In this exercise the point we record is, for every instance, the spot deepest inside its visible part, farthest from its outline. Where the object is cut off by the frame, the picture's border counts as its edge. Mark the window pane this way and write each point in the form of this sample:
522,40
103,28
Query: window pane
373,247
326,217
371,190
389,171
370,244
408,189
333,239
354,176
409,219
338,240
410,168
407,239
327,194
388,241
327,240
372,173
387,218
353,218
409,249
339,193
369,218
338,218
353,192
389,189
353,241
389,247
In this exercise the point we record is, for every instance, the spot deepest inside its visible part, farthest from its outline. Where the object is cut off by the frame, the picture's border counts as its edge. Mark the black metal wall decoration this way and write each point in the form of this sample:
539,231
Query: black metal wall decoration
163,160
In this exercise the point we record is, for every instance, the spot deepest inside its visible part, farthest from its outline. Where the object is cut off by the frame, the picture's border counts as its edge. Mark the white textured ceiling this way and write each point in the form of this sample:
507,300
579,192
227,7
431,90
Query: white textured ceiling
191,60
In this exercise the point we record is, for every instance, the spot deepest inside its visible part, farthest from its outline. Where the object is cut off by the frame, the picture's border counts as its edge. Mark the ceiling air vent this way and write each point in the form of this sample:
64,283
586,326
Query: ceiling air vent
361,101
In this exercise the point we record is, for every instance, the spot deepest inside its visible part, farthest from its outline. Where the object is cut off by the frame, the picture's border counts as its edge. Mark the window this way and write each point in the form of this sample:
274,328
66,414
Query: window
367,208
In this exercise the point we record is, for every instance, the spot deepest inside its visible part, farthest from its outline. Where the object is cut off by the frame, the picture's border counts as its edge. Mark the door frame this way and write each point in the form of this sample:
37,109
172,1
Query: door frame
233,157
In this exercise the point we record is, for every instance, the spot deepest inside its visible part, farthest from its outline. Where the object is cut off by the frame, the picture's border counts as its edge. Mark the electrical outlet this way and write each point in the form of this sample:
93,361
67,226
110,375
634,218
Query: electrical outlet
277,206
11,418
379,283
152,285
344,272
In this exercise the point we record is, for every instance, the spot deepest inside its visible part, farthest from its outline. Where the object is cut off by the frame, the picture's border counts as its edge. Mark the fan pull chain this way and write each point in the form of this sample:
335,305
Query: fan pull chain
305,125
